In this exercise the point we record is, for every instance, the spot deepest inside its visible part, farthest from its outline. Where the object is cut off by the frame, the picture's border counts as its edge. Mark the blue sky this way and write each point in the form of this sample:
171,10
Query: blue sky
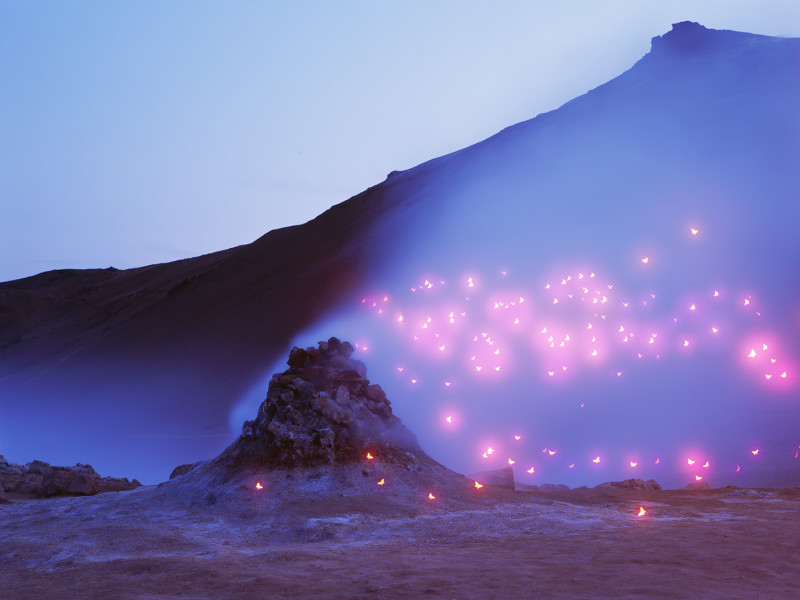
134,133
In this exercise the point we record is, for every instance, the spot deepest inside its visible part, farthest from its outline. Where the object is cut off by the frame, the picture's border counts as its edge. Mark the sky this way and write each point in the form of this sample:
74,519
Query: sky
137,133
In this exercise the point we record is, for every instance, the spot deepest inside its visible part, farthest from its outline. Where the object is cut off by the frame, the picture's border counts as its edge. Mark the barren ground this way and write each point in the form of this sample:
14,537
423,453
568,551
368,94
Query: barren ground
727,543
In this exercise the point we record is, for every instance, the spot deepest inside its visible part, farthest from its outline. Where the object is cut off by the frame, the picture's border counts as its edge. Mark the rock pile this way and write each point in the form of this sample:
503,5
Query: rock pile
324,411
39,479
631,484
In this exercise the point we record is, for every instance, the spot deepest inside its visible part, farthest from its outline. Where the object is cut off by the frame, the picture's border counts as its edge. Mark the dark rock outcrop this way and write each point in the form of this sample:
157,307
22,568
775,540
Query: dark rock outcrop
38,478
182,470
324,411
500,477
698,485
630,484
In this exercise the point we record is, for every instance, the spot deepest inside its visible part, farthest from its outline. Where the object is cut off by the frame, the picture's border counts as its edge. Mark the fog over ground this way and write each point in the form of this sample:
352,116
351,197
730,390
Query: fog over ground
615,280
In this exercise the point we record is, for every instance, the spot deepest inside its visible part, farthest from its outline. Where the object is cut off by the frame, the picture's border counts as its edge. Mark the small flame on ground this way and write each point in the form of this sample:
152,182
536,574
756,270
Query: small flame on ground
382,482
478,485
642,512
431,496
259,486
369,456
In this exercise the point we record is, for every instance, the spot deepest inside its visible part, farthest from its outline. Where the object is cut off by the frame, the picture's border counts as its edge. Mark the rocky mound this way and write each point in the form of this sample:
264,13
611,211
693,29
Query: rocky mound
324,441
631,484
39,479
324,411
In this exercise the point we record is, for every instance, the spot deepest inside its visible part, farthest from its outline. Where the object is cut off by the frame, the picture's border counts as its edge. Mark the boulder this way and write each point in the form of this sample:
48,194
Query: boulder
553,487
630,484
698,485
38,467
500,477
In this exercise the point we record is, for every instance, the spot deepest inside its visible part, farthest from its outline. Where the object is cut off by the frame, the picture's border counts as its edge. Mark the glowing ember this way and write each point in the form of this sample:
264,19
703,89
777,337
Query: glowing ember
369,456
382,482
642,512
478,485
431,496
259,486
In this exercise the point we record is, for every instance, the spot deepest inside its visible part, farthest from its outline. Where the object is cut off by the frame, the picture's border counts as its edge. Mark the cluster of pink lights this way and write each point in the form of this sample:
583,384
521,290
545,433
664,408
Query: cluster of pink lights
573,322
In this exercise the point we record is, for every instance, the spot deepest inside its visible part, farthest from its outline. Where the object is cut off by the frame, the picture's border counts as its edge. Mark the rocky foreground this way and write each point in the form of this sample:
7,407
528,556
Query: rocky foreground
326,495
37,479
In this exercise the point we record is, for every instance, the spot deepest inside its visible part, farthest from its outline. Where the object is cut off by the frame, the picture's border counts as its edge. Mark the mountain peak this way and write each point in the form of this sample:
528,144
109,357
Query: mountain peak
688,37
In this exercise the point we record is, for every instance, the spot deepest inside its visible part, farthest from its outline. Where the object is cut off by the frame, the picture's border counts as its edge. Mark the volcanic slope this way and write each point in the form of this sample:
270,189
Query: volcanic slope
704,125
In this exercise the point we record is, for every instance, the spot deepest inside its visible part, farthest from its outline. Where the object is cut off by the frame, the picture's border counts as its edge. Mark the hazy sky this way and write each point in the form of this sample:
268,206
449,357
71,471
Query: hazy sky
141,132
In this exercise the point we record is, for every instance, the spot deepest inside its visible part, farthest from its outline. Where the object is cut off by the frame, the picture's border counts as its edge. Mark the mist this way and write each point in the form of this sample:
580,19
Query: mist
614,280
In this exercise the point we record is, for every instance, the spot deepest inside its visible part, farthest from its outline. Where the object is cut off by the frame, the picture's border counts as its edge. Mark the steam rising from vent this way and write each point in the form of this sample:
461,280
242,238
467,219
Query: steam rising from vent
615,280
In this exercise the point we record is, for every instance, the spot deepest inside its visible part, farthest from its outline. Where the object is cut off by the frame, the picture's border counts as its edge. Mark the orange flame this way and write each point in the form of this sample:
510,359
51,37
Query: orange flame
478,485
431,496
381,482
259,486
642,512
369,456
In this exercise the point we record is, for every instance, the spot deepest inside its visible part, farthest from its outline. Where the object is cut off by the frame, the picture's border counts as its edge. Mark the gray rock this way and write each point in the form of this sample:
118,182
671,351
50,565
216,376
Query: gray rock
553,487
499,477
630,484
698,485
38,467
322,410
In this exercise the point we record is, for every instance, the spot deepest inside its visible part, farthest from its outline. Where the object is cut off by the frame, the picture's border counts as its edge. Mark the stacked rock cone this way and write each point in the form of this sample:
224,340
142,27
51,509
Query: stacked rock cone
323,411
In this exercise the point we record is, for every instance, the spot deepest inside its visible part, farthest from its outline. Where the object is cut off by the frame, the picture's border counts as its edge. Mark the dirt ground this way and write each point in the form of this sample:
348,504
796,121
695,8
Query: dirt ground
727,543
